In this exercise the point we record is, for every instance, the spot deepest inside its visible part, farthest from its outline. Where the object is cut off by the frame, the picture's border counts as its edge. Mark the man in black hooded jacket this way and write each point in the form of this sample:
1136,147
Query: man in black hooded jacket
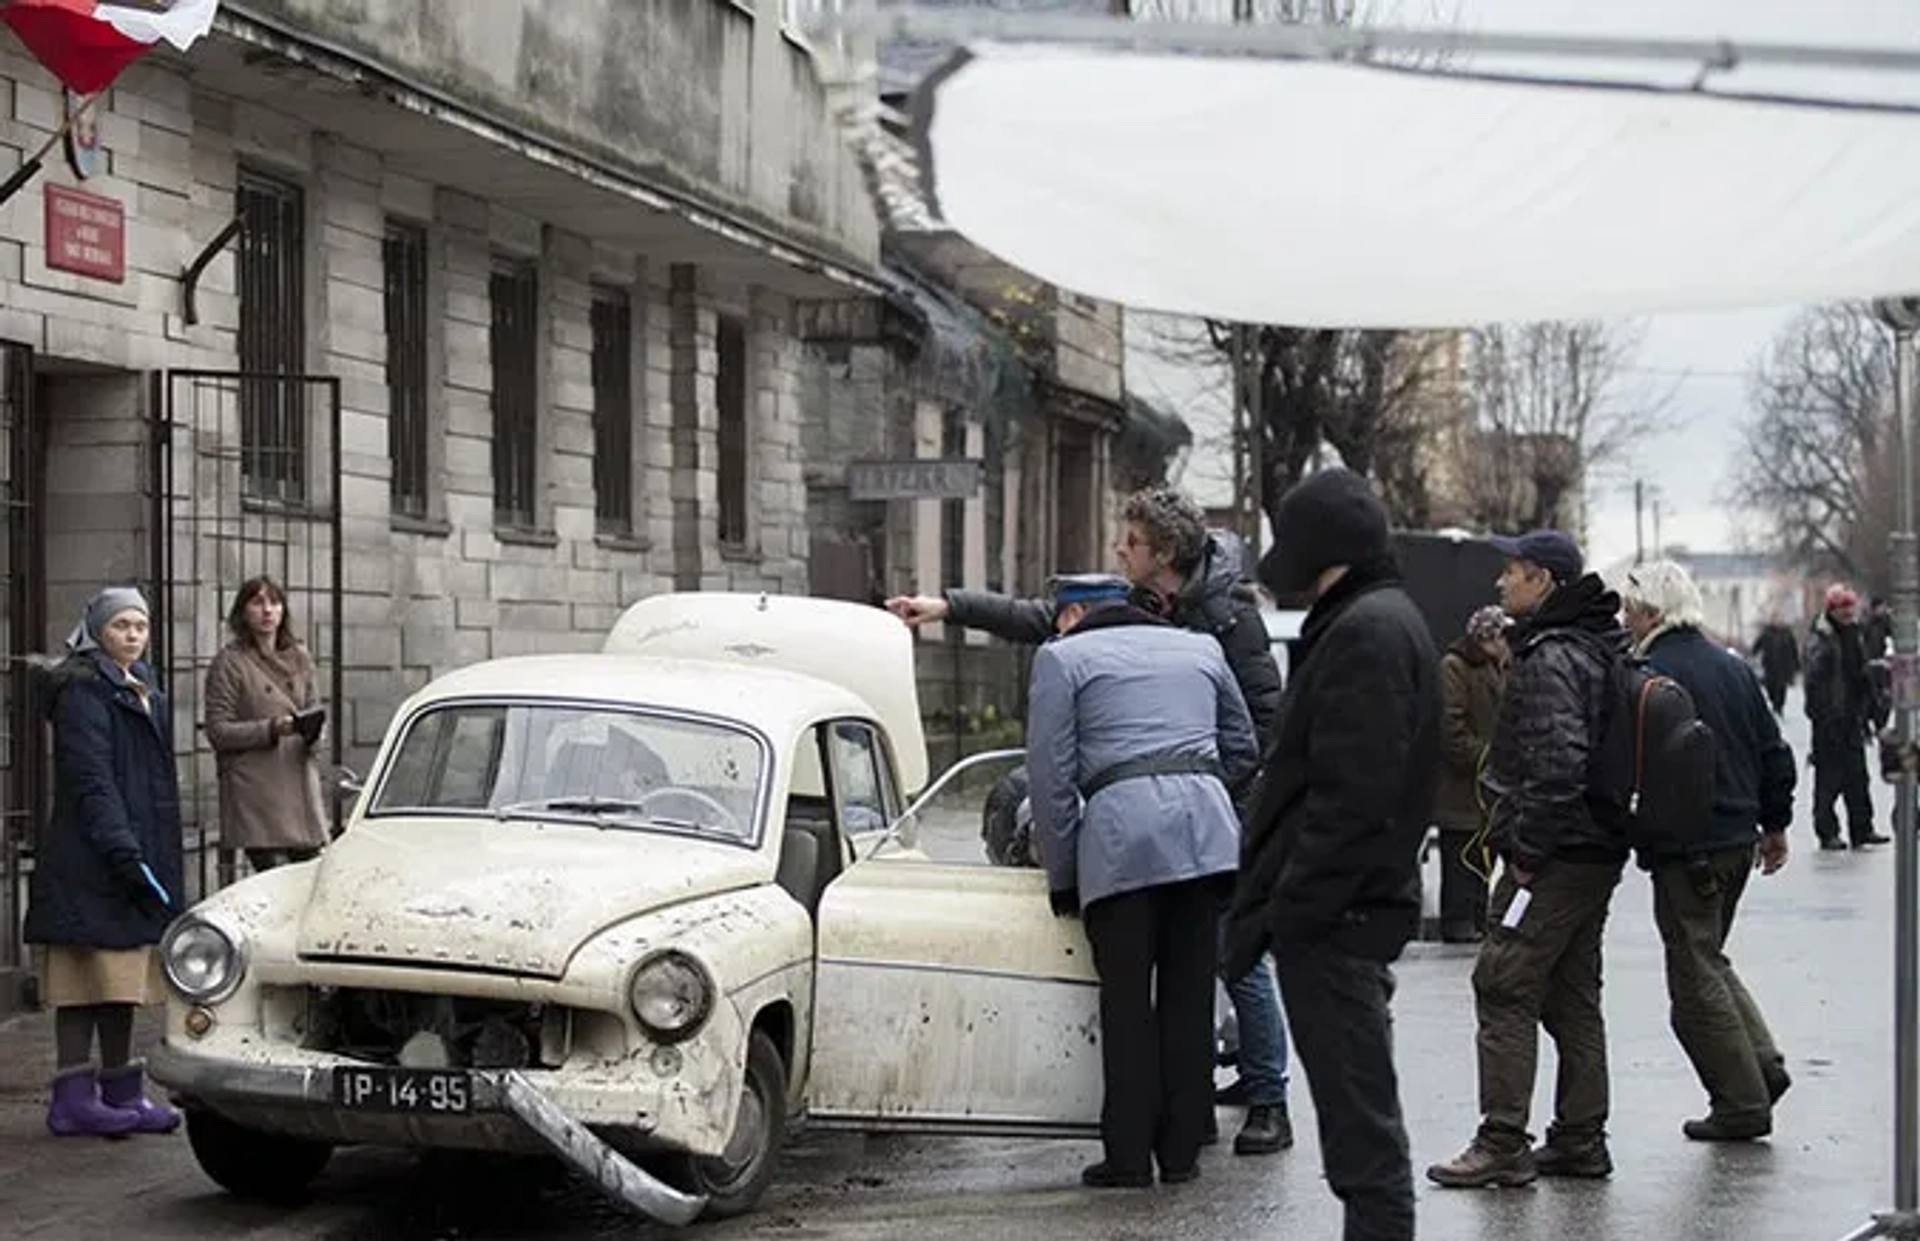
1328,866
1563,851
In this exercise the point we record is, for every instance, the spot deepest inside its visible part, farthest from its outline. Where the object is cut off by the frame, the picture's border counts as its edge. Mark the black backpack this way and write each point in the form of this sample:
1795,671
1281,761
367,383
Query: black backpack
1653,768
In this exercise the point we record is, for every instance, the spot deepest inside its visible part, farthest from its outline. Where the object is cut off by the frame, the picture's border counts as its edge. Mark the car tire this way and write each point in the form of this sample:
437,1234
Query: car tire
263,1167
734,1182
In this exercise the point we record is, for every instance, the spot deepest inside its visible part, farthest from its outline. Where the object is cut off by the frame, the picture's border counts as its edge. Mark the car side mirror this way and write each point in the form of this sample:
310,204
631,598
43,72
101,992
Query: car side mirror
347,781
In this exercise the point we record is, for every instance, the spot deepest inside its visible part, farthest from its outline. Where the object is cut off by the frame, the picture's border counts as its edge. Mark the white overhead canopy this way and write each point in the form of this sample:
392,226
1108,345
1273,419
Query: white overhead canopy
1316,192
1336,195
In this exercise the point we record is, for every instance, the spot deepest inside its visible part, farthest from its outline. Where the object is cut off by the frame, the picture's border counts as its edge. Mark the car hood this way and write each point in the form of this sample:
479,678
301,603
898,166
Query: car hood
513,897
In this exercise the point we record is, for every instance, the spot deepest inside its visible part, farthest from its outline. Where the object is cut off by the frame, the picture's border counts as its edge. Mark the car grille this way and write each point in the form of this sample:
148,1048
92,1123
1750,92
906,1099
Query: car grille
436,1031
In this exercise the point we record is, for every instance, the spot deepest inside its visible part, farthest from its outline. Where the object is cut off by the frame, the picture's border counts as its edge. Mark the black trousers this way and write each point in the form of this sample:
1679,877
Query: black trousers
1339,1008
1463,894
1840,772
1155,950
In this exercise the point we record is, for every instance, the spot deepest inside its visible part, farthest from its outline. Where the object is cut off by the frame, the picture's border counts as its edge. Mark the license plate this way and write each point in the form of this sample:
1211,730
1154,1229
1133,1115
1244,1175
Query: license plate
438,1092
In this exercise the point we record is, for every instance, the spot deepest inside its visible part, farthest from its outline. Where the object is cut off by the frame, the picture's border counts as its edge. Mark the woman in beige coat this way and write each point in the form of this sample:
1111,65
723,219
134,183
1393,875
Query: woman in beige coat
264,724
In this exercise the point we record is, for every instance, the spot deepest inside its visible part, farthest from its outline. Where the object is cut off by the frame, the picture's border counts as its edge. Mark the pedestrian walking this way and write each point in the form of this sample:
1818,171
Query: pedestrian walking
1329,878
1696,893
1195,578
1136,732
1563,849
1842,705
1779,654
107,870
264,720
1473,676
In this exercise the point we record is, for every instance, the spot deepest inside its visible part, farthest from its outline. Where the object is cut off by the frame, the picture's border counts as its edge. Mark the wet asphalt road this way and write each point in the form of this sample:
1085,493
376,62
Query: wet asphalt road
1814,943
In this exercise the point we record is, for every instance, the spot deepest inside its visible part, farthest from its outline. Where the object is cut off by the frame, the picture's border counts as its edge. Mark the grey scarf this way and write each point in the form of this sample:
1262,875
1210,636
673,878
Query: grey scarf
102,608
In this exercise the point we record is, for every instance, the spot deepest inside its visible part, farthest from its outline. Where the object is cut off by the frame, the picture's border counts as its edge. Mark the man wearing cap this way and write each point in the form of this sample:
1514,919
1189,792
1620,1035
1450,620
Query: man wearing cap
1329,874
1137,742
1563,852
1196,579
1841,703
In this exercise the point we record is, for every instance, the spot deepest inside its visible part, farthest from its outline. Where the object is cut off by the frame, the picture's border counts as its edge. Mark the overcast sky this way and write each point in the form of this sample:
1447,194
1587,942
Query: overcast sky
1703,359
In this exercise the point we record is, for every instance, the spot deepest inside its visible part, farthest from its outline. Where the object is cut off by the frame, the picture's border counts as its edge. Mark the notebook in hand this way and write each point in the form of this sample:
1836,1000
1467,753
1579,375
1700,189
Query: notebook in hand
309,722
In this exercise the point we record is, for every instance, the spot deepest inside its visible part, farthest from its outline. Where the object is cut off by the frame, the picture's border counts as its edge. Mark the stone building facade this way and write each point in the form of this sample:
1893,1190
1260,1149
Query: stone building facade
469,333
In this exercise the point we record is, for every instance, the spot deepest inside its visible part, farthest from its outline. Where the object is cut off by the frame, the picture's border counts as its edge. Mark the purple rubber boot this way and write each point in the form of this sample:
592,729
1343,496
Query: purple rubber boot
76,1110
125,1089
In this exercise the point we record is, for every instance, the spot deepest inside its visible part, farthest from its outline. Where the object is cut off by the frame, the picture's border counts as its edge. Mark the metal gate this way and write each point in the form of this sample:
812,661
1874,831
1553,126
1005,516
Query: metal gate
22,740
246,481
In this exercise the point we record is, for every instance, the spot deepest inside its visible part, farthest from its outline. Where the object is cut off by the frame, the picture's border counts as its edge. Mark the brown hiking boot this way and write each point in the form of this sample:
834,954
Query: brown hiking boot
1574,1157
1483,1165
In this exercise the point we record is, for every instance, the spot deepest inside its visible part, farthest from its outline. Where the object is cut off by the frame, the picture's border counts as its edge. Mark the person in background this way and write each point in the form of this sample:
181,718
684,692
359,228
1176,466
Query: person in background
1196,579
1137,738
1329,876
1842,705
1473,676
263,722
1876,631
107,872
1563,851
1695,895
1779,654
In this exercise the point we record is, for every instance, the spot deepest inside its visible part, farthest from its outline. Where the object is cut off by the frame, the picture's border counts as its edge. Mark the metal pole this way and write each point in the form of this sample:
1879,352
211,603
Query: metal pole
1257,437
1903,1221
1906,900
1639,504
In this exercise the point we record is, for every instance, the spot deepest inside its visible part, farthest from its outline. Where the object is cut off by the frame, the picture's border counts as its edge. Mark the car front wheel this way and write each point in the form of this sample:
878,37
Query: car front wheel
250,1164
734,1180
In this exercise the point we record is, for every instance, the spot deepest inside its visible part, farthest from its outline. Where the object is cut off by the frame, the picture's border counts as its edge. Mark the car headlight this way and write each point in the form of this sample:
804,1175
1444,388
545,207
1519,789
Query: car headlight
201,961
672,996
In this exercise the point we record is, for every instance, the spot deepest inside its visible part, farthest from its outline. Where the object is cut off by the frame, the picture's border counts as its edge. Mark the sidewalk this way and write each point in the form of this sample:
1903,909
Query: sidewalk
79,1189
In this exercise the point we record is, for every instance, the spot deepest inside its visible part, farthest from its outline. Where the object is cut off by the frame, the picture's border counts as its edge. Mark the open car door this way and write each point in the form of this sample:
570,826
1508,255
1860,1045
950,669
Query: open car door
949,998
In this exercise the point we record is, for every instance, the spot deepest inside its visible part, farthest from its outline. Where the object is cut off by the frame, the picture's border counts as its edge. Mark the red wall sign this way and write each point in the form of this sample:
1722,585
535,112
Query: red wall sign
86,233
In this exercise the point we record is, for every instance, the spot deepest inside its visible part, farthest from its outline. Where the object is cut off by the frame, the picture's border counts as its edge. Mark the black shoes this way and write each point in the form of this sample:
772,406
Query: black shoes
1573,1158
1268,1129
1103,1175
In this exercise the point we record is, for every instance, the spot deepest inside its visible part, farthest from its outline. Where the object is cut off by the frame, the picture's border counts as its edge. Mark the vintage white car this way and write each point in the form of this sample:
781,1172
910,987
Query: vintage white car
644,909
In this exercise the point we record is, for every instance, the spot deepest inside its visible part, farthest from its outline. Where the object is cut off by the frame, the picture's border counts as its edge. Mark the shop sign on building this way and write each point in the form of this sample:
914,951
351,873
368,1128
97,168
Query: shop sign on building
929,478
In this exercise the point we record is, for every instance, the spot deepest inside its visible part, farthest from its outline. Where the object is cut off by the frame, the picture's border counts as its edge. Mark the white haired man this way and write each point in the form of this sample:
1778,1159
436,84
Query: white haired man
1696,894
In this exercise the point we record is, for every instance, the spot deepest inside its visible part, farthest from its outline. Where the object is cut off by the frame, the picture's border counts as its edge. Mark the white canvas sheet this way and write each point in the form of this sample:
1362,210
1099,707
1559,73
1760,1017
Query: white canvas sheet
1326,195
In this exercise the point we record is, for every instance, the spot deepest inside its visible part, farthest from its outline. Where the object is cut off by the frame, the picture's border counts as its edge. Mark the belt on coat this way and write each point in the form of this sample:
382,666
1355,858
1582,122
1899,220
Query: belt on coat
1153,765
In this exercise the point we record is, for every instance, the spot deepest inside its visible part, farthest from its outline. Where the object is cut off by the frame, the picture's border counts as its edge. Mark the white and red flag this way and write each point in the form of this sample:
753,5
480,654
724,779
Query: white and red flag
86,43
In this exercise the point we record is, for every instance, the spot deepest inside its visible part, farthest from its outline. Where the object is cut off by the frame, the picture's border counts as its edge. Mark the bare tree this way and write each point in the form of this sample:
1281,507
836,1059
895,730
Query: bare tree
1821,416
1550,413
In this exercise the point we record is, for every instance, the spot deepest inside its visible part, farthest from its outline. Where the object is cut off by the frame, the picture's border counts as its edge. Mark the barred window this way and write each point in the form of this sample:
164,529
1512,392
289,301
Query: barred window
515,340
404,255
730,395
612,410
271,273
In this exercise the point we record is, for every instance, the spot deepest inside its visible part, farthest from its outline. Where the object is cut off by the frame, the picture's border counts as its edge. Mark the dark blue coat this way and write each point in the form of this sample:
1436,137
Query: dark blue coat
1753,768
116,804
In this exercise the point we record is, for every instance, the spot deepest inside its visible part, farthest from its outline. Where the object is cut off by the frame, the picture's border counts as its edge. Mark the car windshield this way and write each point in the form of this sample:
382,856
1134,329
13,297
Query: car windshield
612,767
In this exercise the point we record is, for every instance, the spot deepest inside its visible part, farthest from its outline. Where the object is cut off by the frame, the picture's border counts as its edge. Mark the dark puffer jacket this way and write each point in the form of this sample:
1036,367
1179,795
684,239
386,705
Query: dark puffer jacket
1841,701
116,804
1537,778
1331,844
1217,599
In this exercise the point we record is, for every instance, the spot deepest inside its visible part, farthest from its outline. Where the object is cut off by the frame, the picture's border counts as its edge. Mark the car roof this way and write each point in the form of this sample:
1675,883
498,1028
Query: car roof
778,703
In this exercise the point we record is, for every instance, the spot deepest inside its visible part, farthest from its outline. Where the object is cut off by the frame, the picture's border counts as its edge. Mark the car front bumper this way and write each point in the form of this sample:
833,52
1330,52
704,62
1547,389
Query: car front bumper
509,1110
